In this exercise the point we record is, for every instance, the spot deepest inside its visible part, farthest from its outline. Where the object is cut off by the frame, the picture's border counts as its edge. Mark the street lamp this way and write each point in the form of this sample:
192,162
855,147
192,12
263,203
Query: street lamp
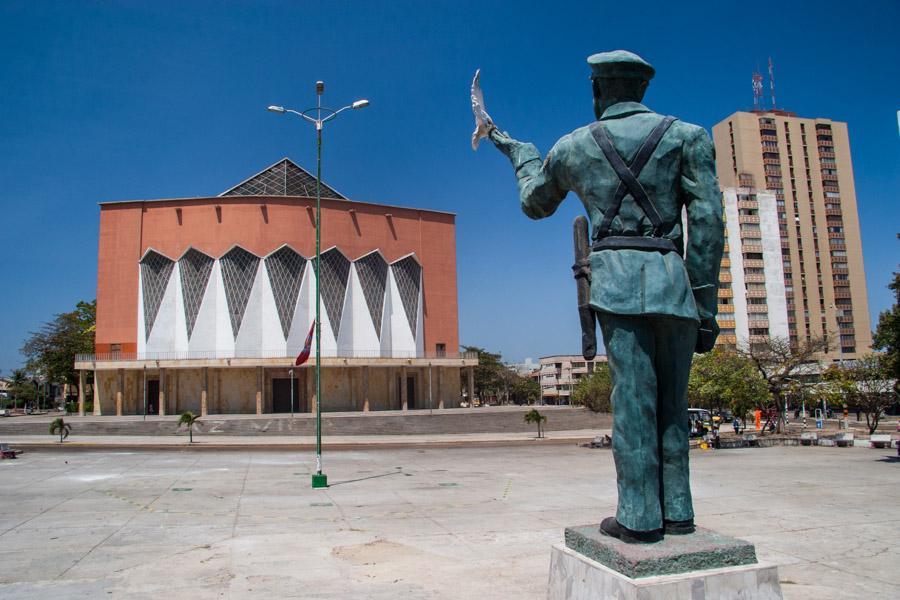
322,116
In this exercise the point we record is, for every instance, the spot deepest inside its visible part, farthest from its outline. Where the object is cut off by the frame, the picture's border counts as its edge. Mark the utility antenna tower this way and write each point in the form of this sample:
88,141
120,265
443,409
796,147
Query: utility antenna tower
772,82
757,89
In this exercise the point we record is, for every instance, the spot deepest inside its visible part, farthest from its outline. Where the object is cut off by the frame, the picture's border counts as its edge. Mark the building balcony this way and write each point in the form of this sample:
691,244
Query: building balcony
726,263
829,177
826,154
277,358
726,323
726,309
831,188
752,247
772,161
725,277
825,142
755,278
748,218
726,339
726,293
768,138
754,262
758,308
755,293
842,292
834,212
748,204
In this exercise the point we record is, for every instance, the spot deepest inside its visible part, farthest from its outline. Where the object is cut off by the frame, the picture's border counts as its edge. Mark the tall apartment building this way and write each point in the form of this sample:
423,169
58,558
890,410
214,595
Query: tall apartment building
806,164
752,297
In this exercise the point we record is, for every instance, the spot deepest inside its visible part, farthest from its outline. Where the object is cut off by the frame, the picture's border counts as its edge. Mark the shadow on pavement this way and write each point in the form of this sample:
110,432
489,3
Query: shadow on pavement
397,472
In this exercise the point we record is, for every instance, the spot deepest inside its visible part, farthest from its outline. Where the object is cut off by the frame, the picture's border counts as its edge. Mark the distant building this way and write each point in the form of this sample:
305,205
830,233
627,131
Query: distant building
559,374
204,303
806,164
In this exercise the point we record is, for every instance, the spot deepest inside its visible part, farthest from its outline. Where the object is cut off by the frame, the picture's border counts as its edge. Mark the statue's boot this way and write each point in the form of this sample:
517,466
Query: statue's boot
680,527
611,527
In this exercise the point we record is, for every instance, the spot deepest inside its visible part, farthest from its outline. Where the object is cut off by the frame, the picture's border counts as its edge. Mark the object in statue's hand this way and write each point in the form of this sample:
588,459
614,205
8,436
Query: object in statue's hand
706,336
483,122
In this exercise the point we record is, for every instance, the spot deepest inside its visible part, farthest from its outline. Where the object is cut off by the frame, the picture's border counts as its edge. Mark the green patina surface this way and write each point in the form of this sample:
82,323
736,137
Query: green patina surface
655,307
702,550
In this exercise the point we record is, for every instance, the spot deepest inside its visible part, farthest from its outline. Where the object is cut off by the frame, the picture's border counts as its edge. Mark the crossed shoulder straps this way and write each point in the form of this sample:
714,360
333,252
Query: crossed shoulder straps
628,174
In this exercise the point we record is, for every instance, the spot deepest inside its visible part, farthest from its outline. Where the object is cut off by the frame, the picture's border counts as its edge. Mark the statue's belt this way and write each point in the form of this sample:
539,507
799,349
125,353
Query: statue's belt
633,242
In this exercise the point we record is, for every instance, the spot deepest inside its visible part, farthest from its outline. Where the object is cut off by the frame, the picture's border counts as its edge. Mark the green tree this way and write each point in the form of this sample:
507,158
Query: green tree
188,419
21,387
533,416
490,375
594,390
724,378
58,426
887,334
780,363
51,350
525,390
864,384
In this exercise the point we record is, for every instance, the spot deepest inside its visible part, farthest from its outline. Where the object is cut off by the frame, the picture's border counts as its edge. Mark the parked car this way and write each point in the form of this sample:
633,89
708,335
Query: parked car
699,421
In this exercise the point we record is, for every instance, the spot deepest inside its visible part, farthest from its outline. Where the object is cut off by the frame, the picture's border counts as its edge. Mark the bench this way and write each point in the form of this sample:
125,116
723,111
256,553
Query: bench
809,438
843,439
880,440
750,439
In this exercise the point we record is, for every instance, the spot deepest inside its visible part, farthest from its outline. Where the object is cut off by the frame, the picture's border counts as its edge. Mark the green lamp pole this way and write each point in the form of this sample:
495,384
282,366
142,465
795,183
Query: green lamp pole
322,116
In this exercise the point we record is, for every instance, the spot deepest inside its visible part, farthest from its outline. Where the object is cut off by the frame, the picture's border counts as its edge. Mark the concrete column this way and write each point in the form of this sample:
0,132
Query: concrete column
163,383
440,387
311,388
204,392
365,388
175,392
81,384
404,397
471,385
96,391
259,387
120,391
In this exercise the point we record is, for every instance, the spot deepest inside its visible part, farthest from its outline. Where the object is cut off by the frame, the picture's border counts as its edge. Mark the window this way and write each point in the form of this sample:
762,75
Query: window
754,271
727,331
759,331
753,255
838,265
440,350
756,300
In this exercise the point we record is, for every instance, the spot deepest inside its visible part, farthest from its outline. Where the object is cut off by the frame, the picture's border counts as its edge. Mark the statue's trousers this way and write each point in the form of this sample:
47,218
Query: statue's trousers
650,361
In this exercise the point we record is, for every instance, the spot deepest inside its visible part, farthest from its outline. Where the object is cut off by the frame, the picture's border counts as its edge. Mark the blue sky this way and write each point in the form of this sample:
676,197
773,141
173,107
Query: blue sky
127,100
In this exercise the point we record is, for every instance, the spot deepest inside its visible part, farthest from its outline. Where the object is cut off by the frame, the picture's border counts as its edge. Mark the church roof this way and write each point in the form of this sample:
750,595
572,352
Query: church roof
284,178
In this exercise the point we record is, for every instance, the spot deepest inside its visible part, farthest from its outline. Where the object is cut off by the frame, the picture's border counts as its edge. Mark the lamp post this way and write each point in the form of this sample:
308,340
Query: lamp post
322,116
291,372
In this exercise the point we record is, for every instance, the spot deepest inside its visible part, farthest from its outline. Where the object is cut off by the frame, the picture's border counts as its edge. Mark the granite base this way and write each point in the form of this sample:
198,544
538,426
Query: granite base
576,577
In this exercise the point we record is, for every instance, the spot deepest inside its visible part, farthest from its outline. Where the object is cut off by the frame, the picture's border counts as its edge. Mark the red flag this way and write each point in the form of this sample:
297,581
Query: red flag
304,354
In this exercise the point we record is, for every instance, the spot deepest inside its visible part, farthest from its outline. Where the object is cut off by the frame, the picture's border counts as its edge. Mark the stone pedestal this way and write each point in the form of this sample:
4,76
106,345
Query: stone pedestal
701,566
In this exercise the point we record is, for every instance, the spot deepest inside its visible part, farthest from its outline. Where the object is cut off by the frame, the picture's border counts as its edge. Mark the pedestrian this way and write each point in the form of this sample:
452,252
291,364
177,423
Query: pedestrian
737,425
858,414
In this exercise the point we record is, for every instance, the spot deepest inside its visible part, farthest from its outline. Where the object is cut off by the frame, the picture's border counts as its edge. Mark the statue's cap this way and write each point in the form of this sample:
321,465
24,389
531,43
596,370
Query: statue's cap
620,64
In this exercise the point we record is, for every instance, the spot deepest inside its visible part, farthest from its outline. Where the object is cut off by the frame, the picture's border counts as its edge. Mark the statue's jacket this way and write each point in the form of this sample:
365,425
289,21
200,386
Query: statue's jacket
680,175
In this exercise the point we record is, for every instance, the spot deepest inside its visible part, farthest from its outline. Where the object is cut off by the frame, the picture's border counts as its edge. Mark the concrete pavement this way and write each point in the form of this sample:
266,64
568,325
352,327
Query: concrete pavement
413,523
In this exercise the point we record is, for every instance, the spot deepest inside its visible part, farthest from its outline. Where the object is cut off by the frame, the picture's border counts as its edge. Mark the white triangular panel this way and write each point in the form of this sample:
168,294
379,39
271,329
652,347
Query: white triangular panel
273,342
224,336
181,338
203,337
248,341
403,345
162,335
304,314
357,332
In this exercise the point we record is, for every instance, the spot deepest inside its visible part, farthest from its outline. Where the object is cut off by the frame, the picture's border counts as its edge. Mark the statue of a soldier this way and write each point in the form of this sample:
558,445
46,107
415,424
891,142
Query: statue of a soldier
654,295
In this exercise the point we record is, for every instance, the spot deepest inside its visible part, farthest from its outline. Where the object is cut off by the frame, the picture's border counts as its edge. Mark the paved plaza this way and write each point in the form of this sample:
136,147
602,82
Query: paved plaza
413,523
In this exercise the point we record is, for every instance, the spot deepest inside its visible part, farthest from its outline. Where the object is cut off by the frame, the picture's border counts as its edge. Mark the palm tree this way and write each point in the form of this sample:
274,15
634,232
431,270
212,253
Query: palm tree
188,419
18,379
533,416
61,427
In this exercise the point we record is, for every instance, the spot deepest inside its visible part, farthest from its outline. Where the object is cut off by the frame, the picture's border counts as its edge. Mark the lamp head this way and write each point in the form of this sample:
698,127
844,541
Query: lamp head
359,104
278,109
320,88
